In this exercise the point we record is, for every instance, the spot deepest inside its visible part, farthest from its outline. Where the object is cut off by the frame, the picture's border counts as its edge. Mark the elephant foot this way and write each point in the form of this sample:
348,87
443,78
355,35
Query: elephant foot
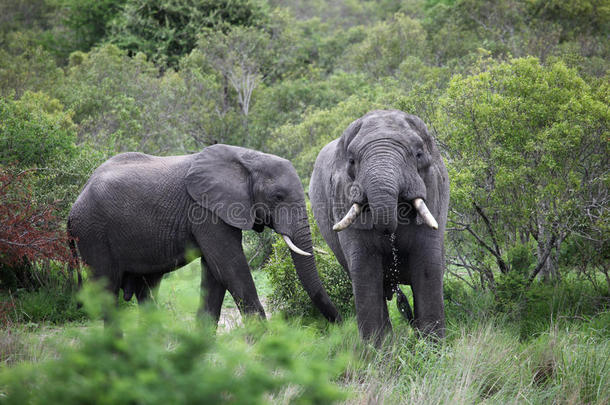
431,330
402,303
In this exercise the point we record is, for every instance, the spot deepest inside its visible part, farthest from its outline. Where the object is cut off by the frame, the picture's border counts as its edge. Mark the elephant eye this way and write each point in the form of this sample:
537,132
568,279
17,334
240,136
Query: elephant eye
418,155
351,161
278,197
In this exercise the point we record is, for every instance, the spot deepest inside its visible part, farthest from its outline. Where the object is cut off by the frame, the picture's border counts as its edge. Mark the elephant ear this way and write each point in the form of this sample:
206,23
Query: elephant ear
219,180
342,185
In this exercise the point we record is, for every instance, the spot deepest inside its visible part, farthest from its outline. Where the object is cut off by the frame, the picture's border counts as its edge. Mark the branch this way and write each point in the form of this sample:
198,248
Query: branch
501,263
545,256
498,257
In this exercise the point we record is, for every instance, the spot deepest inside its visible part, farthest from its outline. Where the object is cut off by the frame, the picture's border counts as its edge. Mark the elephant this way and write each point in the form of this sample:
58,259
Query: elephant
380,196
141,216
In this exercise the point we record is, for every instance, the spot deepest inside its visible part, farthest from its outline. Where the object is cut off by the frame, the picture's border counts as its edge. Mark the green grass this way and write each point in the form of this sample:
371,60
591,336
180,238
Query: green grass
180,290
485,358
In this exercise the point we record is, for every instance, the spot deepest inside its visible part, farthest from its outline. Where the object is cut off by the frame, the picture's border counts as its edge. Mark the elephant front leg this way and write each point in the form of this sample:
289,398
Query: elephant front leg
367,282
227,267
426,267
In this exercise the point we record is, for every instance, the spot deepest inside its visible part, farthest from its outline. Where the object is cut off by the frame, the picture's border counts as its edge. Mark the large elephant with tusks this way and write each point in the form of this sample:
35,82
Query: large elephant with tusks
380,196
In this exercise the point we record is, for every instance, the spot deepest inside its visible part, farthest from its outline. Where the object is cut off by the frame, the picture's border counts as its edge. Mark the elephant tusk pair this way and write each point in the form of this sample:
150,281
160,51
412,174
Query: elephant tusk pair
356,209
293,247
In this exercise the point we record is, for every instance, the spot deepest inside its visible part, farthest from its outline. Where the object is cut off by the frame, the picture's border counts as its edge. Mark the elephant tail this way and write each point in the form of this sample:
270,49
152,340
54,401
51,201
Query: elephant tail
74,263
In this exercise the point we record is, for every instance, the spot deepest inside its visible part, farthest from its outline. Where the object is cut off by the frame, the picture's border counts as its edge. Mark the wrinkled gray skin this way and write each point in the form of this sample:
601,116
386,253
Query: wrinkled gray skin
138,215
384,161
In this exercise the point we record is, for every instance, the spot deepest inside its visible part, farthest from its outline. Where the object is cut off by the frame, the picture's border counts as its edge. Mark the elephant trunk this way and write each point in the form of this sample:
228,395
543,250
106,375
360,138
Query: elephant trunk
382,184
308,275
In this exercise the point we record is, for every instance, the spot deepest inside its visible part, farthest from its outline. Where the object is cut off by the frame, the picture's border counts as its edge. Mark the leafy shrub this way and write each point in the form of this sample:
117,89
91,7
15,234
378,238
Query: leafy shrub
34,256
530,309
527,142
34,130
54,306
156,360
288,294
521,258
535,307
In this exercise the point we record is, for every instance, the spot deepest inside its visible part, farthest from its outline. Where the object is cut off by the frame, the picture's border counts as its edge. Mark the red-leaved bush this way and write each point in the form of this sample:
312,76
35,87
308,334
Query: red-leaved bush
29,232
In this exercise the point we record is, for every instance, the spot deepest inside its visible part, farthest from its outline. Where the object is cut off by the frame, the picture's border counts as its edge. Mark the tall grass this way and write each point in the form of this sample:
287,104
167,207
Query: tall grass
486,363
486,357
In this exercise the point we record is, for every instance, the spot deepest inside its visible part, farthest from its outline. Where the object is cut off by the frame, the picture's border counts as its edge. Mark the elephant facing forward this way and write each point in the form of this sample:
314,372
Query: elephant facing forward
139,215
380,196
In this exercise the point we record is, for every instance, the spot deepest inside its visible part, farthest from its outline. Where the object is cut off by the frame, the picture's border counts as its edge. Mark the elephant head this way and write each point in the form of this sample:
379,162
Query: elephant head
386,173
247,189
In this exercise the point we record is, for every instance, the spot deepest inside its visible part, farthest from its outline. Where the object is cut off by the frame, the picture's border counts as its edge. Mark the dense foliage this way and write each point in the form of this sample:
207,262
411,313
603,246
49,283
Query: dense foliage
528,147
138,368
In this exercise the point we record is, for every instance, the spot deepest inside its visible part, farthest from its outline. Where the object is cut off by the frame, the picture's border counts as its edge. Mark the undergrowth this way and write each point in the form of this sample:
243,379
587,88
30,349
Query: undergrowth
551,348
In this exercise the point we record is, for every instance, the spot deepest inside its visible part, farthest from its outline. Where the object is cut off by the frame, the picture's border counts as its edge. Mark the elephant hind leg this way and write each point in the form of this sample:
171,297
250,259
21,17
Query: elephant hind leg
402,303
213,294
147,286
128,286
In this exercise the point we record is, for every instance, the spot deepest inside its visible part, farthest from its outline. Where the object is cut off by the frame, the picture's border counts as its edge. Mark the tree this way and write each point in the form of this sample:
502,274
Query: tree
25,65
88,20
386,45
125,104
166,30
238,57
528,154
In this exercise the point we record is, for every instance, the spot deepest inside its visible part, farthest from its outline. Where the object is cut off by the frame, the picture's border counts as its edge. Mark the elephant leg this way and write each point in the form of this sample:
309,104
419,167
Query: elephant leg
104,269
213,294
147,287
402,303
367,282
426,269
222,250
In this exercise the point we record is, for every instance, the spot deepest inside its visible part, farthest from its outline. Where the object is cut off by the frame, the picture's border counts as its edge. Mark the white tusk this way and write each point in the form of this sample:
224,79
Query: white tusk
349,218
421,208
293,247
320,250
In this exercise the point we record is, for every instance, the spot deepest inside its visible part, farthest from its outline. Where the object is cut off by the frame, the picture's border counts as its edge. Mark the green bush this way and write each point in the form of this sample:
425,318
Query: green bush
529,309
535,307
52,306
521,258
288,294
39,292
152,359
35,130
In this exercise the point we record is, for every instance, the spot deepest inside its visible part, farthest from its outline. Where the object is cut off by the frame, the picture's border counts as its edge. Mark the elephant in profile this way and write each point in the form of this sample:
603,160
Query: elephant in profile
140,216
380,196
